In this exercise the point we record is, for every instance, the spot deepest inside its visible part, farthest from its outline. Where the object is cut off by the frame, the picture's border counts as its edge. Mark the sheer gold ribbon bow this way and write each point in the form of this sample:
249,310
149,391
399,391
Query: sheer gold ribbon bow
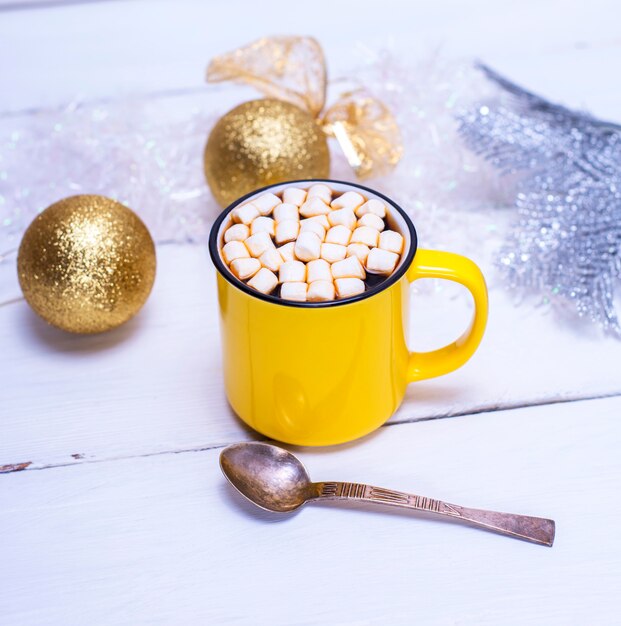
294,69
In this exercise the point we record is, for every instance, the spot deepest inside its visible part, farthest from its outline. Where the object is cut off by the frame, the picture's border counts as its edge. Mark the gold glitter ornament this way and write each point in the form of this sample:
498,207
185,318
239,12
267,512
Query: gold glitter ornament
86,264
260,143
271,141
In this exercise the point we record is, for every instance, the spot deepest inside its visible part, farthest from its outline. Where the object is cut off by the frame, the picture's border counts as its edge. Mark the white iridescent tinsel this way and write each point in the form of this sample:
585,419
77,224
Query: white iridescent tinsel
449,191
147,153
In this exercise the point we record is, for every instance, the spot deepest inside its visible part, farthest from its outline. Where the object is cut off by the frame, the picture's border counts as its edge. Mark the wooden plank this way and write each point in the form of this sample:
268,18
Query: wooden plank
115,388
111,49
165,540
31,5
155,384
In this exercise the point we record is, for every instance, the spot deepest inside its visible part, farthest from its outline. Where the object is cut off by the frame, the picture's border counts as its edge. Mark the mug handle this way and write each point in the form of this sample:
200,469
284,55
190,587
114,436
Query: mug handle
436,264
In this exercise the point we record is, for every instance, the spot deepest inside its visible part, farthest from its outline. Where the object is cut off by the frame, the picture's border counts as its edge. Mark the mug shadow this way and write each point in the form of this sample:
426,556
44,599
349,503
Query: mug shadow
336,448
254,435
432,392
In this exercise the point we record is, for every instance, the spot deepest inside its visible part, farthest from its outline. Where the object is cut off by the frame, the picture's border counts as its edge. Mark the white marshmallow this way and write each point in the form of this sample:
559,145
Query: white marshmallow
320,191
333,252
381,261
314,206
294,195
345,217
237,232
319,269
348,268
234,250
263,224
372,220
313,226
320,219
266,203
271,259
366,235
292,272
377,207
392,241
349,200
320,290
294,291
348,287
264,281
307,246
245,214
286,211
259,243
338,234
359,250
245,268
287,231
287,251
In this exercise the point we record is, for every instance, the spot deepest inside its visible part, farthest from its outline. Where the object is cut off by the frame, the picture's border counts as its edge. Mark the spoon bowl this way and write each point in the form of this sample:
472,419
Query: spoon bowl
269,477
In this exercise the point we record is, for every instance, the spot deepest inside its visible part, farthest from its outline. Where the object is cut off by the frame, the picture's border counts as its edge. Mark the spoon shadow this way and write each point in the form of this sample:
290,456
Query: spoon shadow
234,500
426,517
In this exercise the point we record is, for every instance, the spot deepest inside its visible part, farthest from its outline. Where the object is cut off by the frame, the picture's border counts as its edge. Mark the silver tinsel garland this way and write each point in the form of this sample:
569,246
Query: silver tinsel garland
567,239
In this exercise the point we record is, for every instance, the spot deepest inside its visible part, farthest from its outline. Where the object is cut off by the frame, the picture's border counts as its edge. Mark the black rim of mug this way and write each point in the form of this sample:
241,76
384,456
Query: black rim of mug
391,280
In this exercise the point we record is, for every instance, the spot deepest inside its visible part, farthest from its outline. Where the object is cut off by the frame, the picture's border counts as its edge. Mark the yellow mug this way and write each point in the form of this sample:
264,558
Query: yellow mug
316,374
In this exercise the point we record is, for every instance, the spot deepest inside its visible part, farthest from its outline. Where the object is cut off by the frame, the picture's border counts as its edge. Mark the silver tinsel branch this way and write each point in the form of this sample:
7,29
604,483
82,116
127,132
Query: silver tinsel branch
567,239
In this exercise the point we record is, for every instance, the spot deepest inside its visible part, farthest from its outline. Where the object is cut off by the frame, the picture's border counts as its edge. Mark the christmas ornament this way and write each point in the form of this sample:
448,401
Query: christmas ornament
567,240
86,264
262,142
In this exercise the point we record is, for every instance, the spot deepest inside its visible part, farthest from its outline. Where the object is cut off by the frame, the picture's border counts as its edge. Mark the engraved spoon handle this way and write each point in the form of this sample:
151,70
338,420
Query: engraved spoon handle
535,529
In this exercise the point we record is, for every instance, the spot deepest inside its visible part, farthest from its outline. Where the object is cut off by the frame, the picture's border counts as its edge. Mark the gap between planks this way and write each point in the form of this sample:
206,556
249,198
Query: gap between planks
13,468
28,5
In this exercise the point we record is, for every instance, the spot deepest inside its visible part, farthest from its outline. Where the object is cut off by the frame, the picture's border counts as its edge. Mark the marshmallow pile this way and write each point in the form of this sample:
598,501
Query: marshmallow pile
317,247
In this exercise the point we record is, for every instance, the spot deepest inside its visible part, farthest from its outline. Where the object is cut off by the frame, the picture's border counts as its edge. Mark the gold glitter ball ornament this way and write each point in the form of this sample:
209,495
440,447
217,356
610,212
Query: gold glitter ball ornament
260,143
86,264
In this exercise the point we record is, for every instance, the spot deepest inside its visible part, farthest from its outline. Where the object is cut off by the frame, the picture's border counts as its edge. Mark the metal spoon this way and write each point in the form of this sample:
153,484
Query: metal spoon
276,480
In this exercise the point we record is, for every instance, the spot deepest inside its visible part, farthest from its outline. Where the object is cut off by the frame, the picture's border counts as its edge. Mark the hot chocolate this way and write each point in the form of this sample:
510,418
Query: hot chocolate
311,245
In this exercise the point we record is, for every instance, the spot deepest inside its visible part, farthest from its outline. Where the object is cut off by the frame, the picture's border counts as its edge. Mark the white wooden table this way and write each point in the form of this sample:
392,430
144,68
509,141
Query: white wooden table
112,506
